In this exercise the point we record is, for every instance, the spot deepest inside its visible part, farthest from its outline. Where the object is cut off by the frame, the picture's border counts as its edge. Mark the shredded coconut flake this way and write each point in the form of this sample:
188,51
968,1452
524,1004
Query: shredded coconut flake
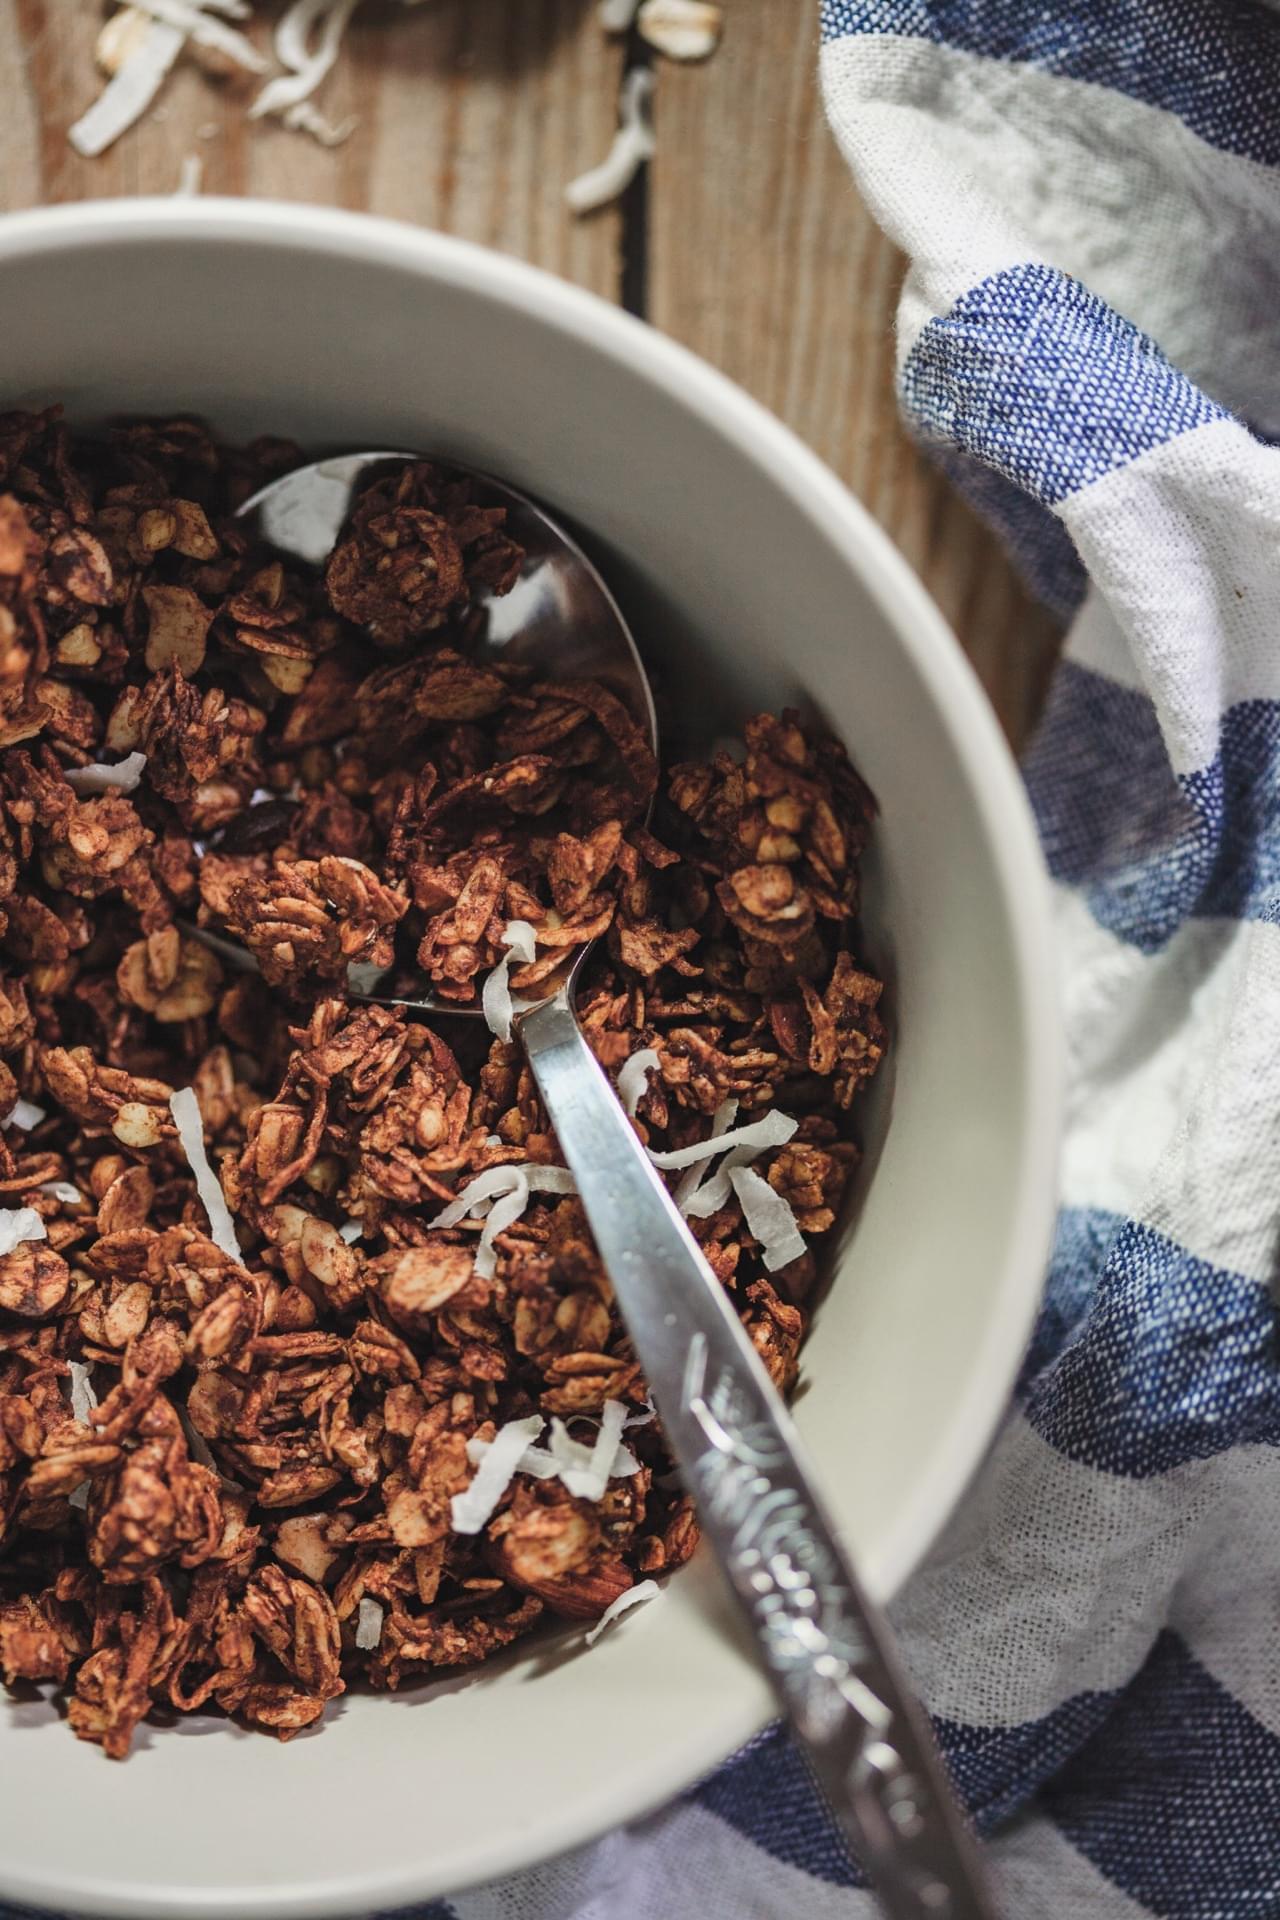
774,1129
185,1109
190,176
63,1190
535,1461
79,1496
485,1186
632,145
307,64
306,117
130,91
24,1114
633,1597
588,1480
502,1214
18,1224
721,1121
566,1456
471,1509
520,943
351,1231
769,1218
616,15
633,1078
196,24
503,1194
123,777
83,1397
715,1188
369,1623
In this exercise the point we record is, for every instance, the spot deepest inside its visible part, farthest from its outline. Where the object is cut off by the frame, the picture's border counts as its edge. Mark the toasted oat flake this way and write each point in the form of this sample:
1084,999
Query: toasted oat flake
633,1077
24,1114
632,1597
520,943
472,1508
680,29
369,1623
185,1109
98,778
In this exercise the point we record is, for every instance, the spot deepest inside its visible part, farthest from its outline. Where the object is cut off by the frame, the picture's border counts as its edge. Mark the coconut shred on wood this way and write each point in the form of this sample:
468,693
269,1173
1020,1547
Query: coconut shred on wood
142,41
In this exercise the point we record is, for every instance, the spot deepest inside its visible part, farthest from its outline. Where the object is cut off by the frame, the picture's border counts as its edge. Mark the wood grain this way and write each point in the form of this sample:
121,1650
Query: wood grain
763,259
472,116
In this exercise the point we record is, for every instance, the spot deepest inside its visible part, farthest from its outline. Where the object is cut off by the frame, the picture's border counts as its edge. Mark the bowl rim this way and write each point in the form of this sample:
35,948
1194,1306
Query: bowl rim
757,436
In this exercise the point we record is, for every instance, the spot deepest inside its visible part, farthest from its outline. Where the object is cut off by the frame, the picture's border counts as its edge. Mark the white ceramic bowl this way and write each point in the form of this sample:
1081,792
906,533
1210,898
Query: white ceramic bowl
755,576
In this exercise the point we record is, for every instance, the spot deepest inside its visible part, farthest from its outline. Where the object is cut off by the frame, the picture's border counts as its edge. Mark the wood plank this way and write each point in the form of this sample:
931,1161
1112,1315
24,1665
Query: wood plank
472,116
763,259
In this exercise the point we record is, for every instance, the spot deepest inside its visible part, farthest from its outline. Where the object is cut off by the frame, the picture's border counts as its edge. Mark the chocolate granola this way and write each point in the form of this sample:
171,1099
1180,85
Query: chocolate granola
234,1437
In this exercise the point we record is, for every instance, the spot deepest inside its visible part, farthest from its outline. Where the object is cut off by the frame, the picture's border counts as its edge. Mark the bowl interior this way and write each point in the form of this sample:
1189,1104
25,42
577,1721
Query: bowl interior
755,579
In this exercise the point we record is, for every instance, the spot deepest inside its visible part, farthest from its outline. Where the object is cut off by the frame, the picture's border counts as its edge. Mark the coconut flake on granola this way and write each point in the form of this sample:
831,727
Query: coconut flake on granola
18,1224
631,1597
519,942
185,1109
633,1078
369,1623
502,1193
98,777
471,1509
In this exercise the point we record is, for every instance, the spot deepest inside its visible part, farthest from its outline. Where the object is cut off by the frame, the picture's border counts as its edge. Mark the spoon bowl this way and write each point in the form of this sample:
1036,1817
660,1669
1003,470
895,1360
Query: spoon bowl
559,617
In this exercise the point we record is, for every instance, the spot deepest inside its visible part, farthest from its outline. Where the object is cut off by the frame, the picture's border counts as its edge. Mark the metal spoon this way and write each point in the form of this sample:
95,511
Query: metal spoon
825,1648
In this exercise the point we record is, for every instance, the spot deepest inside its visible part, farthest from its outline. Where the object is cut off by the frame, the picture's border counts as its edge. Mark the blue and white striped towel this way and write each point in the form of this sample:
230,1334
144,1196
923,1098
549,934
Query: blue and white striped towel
1089,195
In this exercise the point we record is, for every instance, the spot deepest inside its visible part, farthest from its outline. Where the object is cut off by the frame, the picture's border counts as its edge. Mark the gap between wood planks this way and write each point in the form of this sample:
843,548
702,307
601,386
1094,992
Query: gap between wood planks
633,268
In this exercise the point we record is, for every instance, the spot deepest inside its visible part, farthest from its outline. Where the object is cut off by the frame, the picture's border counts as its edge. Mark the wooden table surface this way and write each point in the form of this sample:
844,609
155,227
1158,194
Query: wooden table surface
746,240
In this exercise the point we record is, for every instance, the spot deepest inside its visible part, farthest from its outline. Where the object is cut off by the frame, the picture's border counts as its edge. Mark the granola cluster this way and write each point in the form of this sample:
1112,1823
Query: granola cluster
231,1457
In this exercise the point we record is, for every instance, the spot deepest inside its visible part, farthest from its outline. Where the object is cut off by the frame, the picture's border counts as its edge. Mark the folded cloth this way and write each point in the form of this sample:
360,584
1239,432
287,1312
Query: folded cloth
1087,192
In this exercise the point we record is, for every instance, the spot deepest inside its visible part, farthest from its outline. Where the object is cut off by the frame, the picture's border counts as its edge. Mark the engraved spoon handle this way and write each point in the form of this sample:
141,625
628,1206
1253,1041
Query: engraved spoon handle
826,1649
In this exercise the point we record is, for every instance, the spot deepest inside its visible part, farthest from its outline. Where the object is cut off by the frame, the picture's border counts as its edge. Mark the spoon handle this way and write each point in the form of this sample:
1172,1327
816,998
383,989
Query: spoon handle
826,1649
